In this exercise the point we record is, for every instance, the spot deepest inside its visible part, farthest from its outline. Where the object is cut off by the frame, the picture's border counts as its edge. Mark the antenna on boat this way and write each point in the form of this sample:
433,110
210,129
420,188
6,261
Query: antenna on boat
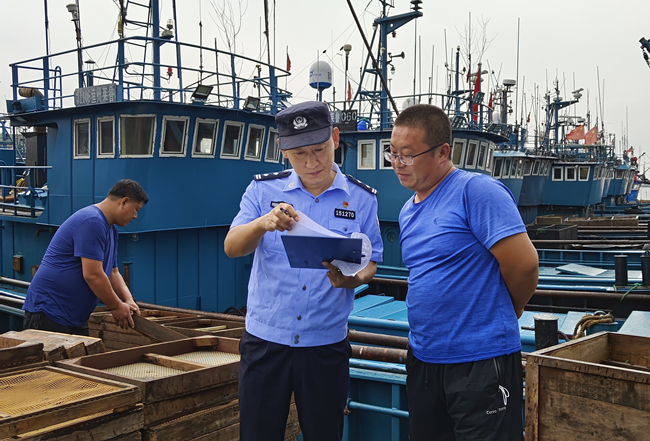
73,9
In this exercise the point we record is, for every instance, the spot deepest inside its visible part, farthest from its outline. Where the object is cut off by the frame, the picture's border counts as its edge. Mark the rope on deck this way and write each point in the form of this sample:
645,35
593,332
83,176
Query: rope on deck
589,320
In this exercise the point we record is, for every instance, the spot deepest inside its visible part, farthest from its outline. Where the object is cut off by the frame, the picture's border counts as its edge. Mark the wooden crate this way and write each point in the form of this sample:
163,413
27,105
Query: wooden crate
165,370
120,425
593,388
102,325
206,326
16,352
37,398
57,346
214,423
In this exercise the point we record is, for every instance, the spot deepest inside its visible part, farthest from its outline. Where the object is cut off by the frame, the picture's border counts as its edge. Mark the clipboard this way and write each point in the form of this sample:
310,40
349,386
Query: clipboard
311,251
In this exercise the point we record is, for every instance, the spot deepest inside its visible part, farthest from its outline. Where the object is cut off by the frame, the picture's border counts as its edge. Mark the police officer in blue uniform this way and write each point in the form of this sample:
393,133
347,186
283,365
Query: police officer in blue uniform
296,322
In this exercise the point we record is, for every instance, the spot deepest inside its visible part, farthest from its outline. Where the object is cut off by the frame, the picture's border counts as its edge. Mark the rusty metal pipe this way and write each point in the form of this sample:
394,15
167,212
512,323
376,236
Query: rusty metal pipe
389,355
14,282
370,338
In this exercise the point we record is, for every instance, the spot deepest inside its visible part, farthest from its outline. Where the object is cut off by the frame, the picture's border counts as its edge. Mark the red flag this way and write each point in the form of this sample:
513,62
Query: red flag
592,136
349,91
288,63
577,133
477,88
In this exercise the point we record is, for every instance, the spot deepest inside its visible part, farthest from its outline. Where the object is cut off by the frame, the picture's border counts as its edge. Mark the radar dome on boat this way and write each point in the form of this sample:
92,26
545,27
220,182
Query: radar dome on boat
509,83
410,101
320,75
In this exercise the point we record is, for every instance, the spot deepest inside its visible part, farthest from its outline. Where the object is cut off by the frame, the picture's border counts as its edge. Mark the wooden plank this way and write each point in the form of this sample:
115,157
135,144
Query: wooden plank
629,349
532,401
124,395
25,352
22,367
124,337
171,408
163,360
8,342
72,345
228,332
565,417
592,348
195,424
103,427
155,331
133,436
112,345
226,434
607,390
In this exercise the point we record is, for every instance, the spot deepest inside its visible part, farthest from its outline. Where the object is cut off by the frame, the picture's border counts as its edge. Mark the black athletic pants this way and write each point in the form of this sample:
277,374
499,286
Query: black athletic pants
479,400
318,377
40,320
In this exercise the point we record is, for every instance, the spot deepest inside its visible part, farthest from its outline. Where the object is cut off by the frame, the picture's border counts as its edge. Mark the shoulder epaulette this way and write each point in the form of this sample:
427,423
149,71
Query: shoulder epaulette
362,185
274,175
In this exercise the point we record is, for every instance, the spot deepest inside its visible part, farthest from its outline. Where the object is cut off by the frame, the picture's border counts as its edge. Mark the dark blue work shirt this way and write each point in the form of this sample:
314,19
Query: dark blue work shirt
59,288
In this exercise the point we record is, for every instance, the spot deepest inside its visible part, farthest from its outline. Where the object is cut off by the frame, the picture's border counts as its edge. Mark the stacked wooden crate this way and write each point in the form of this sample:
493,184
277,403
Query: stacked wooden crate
593,388
53,404
57,346
102,325
19,354
188,387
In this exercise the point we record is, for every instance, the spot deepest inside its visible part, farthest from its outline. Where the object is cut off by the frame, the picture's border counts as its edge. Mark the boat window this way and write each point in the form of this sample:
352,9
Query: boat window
547,167
597,172
506,168
205,137
557,173
82,138
497,167
528,167
583,173
384,146
272,149
513,171
536,168
457,153
232,137
481,155
471,154
570,173
366,154
174,137
520,168
490,153
619,174
106,137
255,142
136,135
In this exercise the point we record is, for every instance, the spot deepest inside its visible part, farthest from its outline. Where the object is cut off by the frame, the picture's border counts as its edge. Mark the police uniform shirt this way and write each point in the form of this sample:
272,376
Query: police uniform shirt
294,306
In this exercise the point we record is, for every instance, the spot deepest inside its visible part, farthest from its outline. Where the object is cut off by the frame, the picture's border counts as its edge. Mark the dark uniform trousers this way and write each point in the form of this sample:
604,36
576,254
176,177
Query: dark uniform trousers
40,321
318,377
474,401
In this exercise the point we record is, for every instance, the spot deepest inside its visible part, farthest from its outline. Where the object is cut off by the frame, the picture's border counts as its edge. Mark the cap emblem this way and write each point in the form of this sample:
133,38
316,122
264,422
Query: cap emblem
300,122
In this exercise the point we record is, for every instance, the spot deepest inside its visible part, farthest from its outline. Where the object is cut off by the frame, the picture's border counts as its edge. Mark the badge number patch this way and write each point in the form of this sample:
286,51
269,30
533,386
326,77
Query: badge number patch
346,214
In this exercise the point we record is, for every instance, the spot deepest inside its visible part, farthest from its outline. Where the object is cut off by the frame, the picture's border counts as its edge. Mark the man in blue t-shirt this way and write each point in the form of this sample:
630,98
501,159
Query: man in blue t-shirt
80,267
472,271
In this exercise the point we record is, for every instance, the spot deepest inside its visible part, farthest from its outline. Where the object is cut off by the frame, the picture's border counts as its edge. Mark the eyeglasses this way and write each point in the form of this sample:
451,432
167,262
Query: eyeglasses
406,159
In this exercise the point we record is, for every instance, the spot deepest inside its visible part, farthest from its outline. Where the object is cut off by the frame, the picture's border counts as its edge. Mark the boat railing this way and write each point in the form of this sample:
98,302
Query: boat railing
464,113
60,80
21,196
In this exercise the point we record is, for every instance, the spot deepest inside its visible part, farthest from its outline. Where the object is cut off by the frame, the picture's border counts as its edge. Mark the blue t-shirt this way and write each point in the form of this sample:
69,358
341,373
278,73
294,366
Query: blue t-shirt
459,308
59,288
300,307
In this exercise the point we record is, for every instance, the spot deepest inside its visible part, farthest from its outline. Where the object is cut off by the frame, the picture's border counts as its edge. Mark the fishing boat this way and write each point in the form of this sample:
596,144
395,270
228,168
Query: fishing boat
157,115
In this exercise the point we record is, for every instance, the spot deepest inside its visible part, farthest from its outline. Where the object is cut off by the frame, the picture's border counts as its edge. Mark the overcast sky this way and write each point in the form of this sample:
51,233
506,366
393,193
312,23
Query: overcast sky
573,41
